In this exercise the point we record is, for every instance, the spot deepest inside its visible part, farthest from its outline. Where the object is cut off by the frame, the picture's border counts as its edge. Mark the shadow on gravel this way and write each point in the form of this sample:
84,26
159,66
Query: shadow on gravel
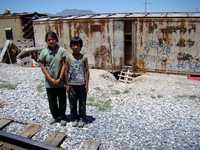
89,119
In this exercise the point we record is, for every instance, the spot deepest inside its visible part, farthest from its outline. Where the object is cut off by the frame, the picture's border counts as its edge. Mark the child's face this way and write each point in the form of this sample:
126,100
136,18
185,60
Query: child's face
76,48
51,42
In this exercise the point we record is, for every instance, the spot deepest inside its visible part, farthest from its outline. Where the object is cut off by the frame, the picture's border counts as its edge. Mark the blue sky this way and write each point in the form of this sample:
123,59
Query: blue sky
99,6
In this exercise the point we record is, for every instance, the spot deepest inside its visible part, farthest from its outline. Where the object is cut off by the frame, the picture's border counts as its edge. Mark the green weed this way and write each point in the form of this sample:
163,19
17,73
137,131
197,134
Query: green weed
7,85
99,104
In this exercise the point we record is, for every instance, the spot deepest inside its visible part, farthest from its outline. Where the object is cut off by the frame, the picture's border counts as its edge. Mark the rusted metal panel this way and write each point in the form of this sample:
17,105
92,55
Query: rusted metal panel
158,44
39,34
171,46
101,44
97,35
118,46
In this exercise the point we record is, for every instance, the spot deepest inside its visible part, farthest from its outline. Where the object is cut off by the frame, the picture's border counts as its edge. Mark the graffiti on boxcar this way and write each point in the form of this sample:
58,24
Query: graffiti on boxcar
162,51
186,60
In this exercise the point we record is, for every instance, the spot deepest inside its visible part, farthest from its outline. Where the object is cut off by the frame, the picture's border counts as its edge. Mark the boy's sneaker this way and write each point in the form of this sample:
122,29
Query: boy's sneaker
81,123
63,123
74,123
52,121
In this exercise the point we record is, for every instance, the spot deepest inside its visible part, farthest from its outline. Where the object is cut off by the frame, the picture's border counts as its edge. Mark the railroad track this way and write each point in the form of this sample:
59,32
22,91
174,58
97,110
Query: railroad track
23,140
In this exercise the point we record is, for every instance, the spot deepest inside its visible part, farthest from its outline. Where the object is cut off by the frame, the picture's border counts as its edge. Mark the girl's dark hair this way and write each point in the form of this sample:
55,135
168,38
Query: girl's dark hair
75,41
51,34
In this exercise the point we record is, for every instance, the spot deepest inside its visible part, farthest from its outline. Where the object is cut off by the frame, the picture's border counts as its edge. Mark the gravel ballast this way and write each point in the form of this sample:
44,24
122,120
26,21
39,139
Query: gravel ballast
155,111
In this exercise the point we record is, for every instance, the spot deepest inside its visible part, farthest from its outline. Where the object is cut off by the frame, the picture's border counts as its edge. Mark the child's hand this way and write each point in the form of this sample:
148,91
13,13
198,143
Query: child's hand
87,88
56,82
67,88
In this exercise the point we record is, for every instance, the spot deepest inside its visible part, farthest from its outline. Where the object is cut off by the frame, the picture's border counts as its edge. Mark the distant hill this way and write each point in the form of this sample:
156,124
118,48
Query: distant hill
68,12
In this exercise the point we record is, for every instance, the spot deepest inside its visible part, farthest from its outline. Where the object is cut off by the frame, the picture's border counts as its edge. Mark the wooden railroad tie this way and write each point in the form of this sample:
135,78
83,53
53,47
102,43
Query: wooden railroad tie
89,145
23,139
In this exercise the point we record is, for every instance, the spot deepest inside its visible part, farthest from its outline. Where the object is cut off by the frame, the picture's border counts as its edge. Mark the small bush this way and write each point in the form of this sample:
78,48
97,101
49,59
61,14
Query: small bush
99,104
191,97
7,85
40,87
126,91
116,92
105,106
97,88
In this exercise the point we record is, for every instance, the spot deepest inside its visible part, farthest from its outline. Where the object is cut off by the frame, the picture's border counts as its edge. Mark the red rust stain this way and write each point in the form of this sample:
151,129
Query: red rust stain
56,26
171,29
70,30
102,57
47,27
181,56
96,28
141,26
181,42
192,27
61,28
190,43
140,65
167,38
152,26
141,42
182,28
81,27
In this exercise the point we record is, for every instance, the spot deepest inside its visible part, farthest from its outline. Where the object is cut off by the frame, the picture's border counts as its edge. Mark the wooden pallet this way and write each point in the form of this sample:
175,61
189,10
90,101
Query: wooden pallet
126,75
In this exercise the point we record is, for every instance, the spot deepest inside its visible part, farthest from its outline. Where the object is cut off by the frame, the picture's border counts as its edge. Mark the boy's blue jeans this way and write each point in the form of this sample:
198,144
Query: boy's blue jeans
77,93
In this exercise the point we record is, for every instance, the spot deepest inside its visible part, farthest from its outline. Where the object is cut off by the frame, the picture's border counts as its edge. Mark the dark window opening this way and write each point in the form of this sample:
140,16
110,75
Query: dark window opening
9,34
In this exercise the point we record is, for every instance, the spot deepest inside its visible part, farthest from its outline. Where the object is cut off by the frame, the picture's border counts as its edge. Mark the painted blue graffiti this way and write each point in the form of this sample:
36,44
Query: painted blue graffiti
161,54
161,49
192,65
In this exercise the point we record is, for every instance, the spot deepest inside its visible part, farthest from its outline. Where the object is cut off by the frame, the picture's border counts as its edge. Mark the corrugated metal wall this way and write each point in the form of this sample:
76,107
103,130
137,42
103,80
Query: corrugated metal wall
168,45
103,39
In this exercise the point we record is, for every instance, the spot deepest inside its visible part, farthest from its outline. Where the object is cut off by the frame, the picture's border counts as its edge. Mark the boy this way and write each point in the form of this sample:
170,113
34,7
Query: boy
77,75
52,65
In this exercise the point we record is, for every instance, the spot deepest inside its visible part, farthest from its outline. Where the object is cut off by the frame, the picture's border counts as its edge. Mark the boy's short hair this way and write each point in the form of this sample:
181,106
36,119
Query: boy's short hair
51,34
75,41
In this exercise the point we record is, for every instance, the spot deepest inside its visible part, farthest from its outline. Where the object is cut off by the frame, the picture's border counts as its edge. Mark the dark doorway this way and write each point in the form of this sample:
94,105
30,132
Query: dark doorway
128,54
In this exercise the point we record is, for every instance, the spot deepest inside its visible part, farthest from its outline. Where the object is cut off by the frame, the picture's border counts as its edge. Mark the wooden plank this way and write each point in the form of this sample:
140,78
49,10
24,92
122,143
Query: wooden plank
30,130
126,81
4,122
6,46
125,76
122,75
89,145
8,146
24,142
129,72
55,139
